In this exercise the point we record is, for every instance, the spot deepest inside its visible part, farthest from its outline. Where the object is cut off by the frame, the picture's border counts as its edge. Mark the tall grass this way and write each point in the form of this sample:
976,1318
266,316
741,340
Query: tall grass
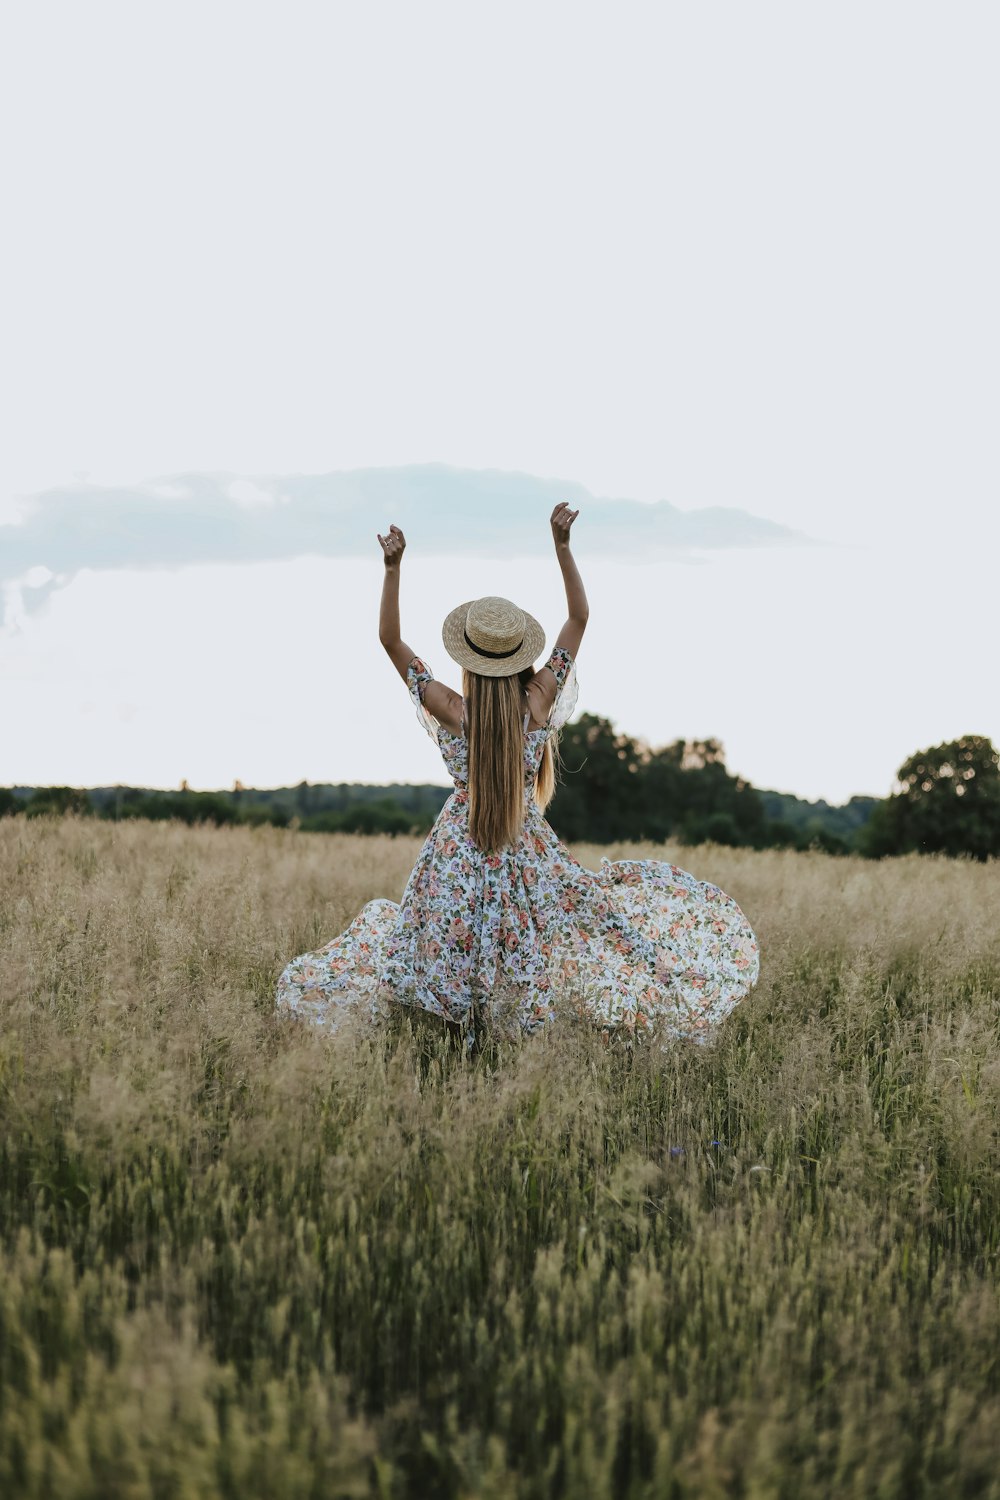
241,1258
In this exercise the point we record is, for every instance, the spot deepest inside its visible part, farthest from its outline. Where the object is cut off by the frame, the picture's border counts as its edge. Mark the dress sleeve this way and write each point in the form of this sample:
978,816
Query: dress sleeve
418,674
563,668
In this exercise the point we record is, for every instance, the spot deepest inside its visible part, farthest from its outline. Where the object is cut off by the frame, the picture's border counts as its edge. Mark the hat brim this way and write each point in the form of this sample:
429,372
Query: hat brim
453,635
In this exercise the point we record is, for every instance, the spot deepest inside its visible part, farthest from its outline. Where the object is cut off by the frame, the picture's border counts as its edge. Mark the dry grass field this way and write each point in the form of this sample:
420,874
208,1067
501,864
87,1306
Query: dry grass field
240,1258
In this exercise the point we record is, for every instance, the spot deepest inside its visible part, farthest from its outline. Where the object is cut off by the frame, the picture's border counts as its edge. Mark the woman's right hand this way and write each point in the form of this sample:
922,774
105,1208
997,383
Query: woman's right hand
561,520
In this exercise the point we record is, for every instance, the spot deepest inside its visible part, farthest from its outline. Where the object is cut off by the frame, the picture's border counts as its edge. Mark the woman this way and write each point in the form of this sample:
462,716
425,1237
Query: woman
498,922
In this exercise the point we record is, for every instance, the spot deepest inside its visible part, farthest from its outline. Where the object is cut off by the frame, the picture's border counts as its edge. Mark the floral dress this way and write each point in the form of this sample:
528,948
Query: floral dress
511,937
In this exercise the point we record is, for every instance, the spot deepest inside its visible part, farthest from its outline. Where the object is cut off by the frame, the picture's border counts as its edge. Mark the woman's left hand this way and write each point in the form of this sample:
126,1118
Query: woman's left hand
393,546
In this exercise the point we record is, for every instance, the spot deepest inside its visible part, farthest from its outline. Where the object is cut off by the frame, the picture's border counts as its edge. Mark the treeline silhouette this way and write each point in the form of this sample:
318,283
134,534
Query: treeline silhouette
344,808
613,788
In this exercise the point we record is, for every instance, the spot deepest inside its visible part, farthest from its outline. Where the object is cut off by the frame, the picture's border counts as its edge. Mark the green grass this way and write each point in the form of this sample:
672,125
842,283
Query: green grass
239,1258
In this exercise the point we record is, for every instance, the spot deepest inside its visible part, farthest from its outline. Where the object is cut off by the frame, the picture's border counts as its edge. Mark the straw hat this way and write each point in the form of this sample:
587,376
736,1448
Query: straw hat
492,637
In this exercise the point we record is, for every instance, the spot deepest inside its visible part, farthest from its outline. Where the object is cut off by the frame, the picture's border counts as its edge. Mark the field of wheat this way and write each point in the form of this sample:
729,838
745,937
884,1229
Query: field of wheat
241,1258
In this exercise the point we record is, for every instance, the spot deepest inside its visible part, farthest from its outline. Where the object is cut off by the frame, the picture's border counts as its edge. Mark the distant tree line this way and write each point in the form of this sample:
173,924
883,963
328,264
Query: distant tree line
612,787
345,808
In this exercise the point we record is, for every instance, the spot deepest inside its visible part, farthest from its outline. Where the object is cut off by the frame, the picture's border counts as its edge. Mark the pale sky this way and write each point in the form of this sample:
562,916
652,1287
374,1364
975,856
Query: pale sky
736,258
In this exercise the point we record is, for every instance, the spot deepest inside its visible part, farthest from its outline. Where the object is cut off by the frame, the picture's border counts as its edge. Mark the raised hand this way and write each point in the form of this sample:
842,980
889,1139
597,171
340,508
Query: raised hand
561,520
393,546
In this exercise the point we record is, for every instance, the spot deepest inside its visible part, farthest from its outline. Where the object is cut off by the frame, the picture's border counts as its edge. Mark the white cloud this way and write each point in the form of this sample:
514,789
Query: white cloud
20,597
37,577
442,509
245,492
170,491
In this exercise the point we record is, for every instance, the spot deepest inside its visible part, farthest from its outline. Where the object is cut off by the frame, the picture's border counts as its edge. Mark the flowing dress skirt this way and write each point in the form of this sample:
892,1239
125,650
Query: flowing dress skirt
639,945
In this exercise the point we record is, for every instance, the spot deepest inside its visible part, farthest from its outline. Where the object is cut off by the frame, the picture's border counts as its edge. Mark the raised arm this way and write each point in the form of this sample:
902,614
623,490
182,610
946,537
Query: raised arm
393,545
439,700
543,686
577,608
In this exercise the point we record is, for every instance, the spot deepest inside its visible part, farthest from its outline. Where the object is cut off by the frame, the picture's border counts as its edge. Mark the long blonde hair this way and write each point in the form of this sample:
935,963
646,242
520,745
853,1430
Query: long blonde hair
495,733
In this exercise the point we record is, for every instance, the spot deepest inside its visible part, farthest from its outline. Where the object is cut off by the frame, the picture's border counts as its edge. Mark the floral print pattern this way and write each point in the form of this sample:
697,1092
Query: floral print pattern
639,946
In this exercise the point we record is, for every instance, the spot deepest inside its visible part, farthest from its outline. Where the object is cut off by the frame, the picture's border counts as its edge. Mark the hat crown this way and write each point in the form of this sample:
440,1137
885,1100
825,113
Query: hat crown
492,637
494,624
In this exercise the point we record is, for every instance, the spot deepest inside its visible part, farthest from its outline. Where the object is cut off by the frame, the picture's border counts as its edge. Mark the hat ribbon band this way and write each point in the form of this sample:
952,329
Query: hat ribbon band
494,655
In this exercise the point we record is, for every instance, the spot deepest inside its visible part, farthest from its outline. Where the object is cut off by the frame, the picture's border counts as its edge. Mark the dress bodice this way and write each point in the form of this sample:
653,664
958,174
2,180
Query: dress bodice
455,753
455,748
